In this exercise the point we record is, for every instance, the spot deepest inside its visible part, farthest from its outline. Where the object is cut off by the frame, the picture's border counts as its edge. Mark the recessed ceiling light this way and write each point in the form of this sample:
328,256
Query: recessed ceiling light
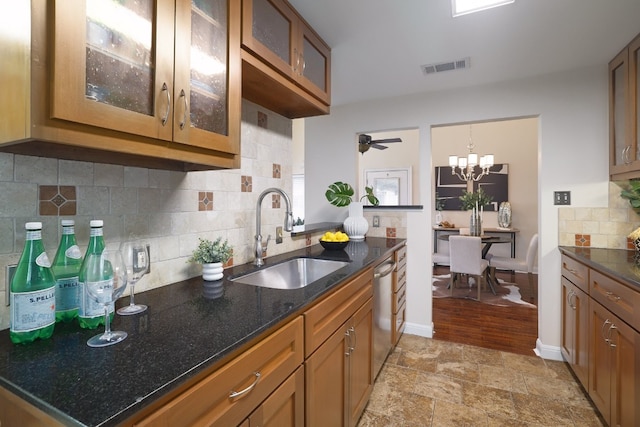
462,7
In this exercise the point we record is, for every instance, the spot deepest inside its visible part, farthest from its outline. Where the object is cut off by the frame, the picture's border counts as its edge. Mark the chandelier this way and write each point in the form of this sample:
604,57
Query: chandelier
463,167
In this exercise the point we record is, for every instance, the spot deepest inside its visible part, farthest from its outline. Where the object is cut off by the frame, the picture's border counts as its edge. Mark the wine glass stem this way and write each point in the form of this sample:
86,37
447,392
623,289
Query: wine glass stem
131,303
107,321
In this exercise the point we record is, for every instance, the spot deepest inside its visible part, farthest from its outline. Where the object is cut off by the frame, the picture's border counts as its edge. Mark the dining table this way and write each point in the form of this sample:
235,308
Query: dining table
487,241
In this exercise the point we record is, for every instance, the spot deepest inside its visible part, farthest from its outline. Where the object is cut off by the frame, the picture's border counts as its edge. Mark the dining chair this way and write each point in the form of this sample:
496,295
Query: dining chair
440,258
465,254
516,264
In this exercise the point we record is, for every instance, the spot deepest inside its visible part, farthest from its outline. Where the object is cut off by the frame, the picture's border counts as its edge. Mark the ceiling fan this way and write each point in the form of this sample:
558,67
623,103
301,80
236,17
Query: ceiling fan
365,142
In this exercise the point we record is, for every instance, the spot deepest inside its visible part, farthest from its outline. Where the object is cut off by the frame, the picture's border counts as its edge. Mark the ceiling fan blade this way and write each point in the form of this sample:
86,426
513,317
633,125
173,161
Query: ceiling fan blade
378,146
386,141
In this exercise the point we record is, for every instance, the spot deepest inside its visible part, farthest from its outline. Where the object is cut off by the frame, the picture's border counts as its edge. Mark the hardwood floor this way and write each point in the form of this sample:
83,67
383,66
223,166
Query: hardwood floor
512,329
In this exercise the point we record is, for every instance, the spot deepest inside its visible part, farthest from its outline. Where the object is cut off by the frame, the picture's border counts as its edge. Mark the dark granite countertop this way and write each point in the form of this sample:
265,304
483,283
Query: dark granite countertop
180,336
618,263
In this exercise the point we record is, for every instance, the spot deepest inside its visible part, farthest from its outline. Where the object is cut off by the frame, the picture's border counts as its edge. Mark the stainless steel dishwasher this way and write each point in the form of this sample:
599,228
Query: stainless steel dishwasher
382,293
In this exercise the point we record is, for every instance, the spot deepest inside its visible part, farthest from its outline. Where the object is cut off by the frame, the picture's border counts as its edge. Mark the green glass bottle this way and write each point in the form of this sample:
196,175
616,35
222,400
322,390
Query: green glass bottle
90,312
33,291
66,266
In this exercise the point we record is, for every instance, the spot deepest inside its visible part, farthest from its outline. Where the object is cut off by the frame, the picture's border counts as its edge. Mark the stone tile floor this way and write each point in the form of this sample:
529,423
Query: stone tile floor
429,382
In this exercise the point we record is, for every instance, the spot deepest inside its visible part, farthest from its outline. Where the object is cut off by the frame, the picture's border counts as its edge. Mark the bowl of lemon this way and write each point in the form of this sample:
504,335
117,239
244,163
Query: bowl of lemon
334,241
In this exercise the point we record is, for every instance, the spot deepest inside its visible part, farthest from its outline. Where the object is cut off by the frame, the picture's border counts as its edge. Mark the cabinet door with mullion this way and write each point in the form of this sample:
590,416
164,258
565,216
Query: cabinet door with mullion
207,75
315,64
113,64
270,30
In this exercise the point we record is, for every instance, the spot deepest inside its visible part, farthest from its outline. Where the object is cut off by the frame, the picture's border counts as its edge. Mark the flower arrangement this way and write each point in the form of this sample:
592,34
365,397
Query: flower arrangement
209,252
470,200
632,194
340,194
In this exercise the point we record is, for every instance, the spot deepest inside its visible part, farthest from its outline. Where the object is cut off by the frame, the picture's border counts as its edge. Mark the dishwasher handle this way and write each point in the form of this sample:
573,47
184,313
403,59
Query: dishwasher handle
378,275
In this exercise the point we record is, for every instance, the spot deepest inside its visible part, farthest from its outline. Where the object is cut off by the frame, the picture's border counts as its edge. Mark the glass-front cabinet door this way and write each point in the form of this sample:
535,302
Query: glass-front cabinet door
207,74
164,69
113,64
274,31
624,111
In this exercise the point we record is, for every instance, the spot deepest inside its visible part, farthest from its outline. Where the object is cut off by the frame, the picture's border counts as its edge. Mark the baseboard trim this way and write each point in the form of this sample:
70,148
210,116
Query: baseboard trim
419,329
548,351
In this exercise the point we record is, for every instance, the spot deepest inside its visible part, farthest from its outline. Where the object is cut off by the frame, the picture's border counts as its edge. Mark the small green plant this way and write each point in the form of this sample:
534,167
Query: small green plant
471,200
209,252
632,193
341,194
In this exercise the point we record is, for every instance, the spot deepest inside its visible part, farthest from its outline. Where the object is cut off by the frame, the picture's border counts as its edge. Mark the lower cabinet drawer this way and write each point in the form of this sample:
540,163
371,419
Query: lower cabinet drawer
399,298
576,272
252,376
621,300
399,321
400,278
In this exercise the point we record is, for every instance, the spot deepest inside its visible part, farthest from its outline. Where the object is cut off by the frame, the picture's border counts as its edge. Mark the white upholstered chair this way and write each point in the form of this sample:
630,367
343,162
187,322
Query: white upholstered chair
465,254
516,264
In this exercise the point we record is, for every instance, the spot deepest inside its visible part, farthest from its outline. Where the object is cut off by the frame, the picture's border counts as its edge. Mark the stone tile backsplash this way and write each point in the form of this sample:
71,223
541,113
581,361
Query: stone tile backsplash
169,209
598,227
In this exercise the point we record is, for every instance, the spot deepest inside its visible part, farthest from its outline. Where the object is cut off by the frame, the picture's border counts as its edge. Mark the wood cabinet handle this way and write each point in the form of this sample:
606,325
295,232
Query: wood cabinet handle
355,338
166,113
241,393
605,323
610,341
186,108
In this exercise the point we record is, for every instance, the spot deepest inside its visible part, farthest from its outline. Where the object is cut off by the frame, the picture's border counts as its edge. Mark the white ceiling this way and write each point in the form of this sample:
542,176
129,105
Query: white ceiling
378,46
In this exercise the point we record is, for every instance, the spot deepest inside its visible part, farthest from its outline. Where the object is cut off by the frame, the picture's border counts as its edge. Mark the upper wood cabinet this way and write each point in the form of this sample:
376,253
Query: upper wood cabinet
624,112
141,83
278,43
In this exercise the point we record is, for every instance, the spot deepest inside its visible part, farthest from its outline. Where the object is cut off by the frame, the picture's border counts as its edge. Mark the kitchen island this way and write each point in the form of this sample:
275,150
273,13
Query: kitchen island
180,338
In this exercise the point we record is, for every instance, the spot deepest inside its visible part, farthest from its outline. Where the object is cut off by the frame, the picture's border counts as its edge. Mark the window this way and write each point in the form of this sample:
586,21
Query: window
463,7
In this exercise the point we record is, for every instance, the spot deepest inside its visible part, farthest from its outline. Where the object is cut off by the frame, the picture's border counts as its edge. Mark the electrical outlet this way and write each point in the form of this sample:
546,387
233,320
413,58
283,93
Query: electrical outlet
376,221
8,274
278,235
562,197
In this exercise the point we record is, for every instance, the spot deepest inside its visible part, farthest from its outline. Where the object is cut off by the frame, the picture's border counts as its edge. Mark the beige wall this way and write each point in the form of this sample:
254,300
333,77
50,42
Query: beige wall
514,142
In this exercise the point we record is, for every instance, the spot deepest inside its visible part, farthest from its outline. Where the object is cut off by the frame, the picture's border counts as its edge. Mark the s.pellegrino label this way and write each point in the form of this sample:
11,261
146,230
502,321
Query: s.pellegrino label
33,291
66,267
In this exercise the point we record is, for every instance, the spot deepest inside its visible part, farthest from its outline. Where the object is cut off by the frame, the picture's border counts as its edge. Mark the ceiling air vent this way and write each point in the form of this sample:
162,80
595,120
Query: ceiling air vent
445,66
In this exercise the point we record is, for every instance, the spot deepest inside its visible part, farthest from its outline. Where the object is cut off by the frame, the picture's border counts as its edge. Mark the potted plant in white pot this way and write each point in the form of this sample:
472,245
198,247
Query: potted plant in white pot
212,255
341,194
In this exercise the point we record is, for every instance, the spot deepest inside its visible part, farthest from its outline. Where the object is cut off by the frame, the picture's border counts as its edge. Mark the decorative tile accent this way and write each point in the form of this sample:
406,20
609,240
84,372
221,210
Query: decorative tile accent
391,232
630,245
308,240
275,201
57,200
263,120
276,170
583,240
246,184
205,200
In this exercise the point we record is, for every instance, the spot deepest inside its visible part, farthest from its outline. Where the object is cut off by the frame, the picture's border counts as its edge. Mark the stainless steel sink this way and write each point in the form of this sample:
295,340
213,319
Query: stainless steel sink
292,274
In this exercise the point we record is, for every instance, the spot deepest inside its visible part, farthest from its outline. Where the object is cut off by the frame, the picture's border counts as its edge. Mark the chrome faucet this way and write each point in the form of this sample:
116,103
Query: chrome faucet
288,222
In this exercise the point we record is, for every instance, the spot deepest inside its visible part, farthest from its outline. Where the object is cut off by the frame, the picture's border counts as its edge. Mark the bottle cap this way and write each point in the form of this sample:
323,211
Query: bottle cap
67,222
96,223
33,226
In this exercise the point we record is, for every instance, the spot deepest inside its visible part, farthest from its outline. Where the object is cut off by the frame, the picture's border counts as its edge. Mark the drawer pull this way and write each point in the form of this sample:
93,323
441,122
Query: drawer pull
609,340
612,296
237,394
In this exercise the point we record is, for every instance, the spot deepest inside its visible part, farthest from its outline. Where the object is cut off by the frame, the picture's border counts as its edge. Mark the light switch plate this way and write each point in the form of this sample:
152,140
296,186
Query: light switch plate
562,197
376,221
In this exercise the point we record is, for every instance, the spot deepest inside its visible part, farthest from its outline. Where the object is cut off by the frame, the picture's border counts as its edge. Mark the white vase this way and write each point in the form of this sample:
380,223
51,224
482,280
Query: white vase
356,225
212,271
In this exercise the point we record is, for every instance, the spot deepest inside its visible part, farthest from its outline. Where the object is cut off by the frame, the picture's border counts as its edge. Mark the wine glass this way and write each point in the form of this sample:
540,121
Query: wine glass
106,281
136,259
